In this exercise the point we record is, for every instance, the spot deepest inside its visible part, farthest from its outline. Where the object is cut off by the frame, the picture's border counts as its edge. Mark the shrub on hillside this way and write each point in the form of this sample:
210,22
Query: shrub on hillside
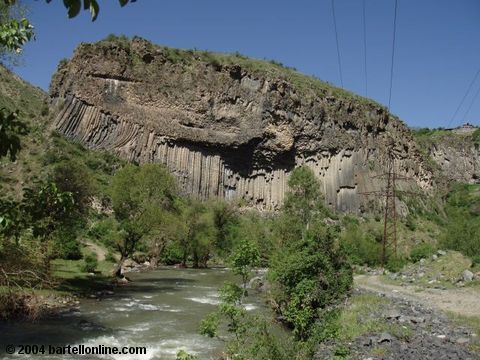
395,264
90,264
67,248
421,251
363,243
463,227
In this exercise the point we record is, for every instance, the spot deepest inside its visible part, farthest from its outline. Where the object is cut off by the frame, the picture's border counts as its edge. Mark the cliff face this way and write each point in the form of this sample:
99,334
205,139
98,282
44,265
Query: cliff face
456,153
228,126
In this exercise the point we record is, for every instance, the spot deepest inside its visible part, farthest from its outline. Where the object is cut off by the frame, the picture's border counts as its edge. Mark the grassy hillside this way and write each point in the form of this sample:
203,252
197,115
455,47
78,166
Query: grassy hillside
42,148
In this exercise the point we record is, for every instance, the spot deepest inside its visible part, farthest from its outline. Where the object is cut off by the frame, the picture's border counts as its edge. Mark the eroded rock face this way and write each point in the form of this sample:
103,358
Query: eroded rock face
457,156
227,126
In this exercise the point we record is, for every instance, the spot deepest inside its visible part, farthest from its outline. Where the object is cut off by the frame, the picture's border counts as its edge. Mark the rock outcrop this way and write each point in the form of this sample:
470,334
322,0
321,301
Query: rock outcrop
228,126
456,154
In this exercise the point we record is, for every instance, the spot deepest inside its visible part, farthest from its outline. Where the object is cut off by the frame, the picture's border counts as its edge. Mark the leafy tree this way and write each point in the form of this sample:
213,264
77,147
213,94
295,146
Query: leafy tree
10,130
303,200
74,6
166,229
244,258
11,220
74,177
462,231
137,194
309,271
200,234
251,226
224,217
14,32
46,211
362,242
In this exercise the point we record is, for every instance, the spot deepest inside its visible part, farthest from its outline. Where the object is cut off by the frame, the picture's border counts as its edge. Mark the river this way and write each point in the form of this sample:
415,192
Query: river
160,310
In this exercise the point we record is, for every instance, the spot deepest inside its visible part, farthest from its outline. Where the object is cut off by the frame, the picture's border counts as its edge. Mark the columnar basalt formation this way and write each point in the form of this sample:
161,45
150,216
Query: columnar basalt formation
227,126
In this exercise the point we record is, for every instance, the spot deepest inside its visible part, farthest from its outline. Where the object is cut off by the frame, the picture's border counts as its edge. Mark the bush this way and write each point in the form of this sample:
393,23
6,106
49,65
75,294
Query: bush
309,271
395,264
172,254
476,260
463,226
209,325
362,243
70,250
421,251
66,246
19,305
110,257
476,137
90,264
183,355
309,276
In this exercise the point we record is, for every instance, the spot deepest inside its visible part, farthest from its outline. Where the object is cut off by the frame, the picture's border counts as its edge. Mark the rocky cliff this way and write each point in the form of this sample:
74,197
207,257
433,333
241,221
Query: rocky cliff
228,126
455,152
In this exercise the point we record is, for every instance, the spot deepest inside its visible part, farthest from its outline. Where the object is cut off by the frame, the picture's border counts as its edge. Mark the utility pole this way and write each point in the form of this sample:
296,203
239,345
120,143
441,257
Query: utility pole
390,211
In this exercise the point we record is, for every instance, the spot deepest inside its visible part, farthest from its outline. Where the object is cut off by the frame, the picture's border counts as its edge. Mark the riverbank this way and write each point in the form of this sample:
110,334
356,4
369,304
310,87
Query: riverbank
69,284
375,326
159,309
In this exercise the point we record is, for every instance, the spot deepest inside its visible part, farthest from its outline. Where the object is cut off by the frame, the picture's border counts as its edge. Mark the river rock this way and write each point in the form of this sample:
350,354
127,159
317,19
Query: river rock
385,338
467,275
129,263
393,314
462,341
256,282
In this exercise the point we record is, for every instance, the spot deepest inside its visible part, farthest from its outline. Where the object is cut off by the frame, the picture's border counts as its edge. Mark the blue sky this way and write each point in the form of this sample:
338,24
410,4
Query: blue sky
437,48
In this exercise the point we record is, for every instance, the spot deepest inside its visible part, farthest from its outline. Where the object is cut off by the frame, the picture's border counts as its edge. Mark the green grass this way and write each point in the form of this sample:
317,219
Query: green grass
363,315
72,279
450,266
357,318
471,322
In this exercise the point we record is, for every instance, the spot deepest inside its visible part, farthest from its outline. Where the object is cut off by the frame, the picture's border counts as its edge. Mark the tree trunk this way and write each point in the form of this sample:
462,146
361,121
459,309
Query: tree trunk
184,260
195,259
118,271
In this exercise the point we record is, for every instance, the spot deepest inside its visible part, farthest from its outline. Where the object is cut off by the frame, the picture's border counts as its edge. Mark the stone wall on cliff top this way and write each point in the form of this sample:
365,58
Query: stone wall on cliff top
228,126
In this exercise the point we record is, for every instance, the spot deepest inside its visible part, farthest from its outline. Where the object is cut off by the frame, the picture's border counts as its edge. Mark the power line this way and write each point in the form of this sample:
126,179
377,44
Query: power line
393,53
365,46
336,40
470,106
464,97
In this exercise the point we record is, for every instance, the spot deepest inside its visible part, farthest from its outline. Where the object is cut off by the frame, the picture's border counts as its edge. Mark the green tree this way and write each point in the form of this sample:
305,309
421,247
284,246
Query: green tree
11,128
74,6
224,217
46,211
14,31
244,258
304,200
74,177
309,271
200,233
136,193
